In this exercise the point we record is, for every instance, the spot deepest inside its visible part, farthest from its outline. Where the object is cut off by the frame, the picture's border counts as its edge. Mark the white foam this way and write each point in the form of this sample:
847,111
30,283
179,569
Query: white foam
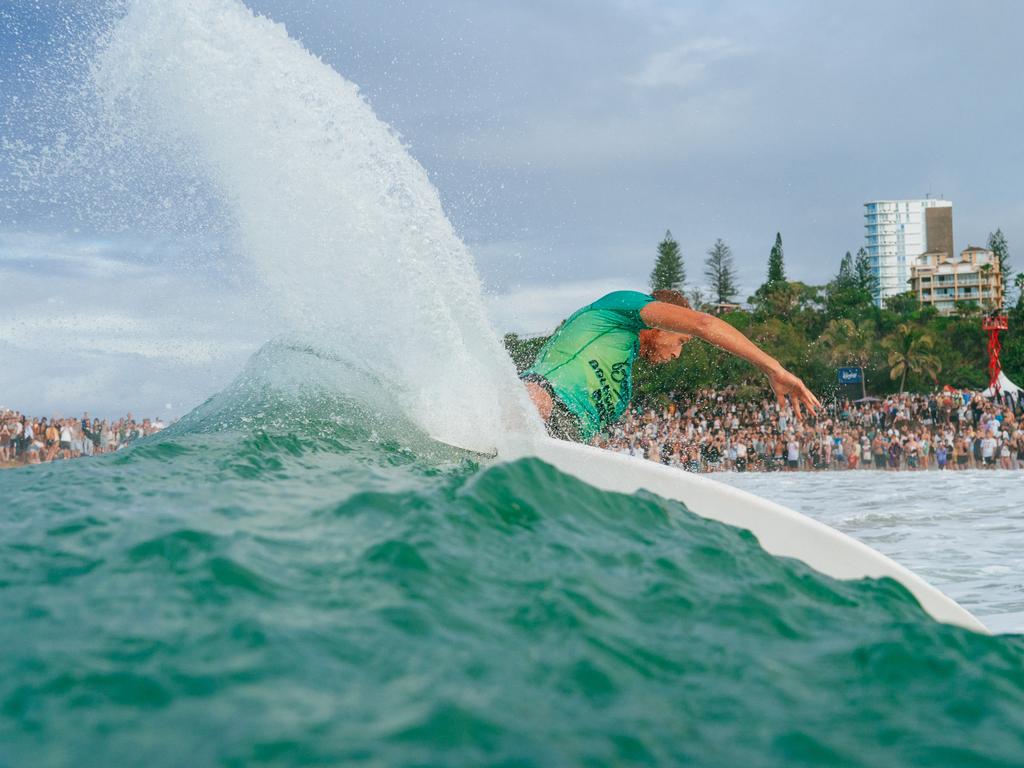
332,213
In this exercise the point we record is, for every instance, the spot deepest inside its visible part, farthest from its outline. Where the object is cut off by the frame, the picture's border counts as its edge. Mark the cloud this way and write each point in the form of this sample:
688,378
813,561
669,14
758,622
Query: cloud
118,334
58,253
105,385
622,134
684,65
109,324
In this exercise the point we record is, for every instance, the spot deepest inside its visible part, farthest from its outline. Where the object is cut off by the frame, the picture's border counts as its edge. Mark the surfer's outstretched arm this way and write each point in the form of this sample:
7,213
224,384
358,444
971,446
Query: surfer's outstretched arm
676,319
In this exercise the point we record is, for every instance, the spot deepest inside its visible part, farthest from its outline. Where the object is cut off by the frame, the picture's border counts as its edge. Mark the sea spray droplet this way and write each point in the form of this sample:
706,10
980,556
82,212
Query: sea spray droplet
335,219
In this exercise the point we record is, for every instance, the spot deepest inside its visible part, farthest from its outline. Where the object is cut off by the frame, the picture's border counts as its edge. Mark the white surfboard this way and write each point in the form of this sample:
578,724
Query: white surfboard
780,531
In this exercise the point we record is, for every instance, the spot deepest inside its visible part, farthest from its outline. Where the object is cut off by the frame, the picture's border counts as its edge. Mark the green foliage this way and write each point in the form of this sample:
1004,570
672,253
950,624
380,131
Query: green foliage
699,300
960,344
903,304
776,268
1013,344
845,342
790,301
866,279
720,272
967,308
776,293
668,272
851,291
909,350
1001,250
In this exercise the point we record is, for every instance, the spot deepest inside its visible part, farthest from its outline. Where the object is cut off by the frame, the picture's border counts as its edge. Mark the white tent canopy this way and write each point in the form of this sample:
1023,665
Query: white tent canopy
1005,385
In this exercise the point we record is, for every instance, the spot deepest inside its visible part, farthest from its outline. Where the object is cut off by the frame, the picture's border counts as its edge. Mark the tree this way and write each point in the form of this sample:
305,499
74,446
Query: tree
698,300
766,297
908,350
845,295
967,308
776,269
1013,343
846,274
903,304
845,342
866,279
669,272
1001,250
720,272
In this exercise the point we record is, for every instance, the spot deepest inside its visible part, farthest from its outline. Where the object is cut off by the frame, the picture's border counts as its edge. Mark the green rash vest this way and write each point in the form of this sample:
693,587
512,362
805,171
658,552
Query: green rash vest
588,361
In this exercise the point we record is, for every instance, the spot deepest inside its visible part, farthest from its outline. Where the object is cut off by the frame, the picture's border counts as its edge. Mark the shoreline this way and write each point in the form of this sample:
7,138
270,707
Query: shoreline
802,471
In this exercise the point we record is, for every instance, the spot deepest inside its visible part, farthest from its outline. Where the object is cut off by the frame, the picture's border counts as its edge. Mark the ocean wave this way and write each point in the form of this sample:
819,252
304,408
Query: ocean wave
344,598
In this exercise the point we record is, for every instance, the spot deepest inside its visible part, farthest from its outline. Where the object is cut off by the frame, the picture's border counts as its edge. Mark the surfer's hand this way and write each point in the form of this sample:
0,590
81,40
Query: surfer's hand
785,383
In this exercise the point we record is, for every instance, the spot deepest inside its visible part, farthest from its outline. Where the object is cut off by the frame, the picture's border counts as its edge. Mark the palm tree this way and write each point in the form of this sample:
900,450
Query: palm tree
909,351
848,342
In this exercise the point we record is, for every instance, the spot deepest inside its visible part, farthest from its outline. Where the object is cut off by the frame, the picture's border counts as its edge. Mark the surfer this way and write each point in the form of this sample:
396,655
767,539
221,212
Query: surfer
582,379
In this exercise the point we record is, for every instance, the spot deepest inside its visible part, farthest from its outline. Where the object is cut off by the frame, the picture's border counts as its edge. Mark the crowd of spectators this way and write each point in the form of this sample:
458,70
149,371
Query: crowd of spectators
709,431
29,440
716,431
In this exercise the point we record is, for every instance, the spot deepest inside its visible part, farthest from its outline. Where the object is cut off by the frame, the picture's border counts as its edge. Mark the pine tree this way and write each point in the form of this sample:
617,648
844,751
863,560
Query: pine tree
847,275
720,272
668,272
776,270
866,279
847,294
1000,249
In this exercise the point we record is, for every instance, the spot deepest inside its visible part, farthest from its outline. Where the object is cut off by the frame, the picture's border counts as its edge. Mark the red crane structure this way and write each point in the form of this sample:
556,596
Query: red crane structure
994,324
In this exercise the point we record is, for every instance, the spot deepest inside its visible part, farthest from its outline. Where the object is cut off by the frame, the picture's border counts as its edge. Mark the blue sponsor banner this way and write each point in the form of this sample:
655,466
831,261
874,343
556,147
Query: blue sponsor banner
850,375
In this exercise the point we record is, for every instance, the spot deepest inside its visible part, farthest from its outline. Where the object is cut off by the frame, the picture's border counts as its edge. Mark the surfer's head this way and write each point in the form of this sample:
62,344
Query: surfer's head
658,346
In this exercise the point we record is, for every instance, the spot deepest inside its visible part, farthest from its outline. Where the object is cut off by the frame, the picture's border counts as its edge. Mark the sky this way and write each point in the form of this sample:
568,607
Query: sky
565,137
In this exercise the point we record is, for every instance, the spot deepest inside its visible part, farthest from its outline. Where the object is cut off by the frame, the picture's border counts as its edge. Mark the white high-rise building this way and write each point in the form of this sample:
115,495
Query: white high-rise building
896,234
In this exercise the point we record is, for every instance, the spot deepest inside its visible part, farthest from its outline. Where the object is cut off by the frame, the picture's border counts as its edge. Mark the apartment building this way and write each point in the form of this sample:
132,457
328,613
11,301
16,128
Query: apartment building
897,232
941,279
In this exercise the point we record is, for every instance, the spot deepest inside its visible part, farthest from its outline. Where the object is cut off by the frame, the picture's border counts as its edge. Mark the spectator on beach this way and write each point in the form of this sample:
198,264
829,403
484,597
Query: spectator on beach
792,454
5,442
988,451
106,438
713,430
66,437
51,436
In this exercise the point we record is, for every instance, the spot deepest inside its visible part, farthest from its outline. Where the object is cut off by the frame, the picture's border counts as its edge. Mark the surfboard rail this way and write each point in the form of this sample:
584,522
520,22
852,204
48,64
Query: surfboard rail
780,531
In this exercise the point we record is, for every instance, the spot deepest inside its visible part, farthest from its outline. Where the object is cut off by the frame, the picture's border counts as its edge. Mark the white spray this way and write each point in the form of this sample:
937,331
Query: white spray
336,218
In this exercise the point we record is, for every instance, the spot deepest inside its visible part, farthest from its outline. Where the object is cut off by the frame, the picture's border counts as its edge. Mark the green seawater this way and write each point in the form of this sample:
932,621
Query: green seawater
278,581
